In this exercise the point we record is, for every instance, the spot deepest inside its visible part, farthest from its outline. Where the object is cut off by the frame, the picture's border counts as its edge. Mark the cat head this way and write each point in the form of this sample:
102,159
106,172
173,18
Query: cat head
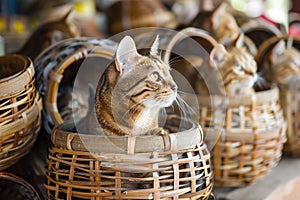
224,25
237,68
145,78
285,62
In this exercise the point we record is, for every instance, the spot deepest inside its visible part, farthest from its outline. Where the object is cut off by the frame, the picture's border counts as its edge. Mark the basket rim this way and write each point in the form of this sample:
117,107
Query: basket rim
184,33
238,100
16,179
17,81
142,144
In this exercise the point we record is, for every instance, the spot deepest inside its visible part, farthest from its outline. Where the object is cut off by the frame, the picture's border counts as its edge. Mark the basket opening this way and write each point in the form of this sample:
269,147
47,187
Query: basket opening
11,66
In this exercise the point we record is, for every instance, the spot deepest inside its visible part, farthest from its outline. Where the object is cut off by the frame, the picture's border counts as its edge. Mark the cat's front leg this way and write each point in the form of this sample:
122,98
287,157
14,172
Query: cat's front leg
156,131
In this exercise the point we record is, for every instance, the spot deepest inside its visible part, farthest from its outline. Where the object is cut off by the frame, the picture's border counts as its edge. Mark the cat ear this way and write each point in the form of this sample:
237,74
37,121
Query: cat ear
277,50
217,55
66,16
239,42
126,54
154,47
218,14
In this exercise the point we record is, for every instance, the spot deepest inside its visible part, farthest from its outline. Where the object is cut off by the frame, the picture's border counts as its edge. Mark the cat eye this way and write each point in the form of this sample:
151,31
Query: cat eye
155,76
238,67
295,63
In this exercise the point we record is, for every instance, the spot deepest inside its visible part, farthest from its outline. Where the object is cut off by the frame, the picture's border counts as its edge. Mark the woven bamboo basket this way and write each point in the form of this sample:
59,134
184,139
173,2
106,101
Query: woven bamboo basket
58,66
289,98
170,166
20,109
16,188
253,137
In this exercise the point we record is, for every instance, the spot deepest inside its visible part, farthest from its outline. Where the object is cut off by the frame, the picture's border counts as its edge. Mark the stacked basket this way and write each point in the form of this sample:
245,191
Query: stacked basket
289,97
253,126
167,166
20,109
57,68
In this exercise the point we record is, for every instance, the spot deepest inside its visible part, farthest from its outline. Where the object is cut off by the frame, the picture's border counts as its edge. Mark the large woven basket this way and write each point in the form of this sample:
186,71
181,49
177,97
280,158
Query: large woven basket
170,166
20,108
253,137
289,97
58,66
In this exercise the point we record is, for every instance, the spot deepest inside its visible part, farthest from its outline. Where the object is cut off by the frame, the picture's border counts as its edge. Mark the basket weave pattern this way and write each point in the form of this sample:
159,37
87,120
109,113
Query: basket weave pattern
291,107
253,137
181,173
20,112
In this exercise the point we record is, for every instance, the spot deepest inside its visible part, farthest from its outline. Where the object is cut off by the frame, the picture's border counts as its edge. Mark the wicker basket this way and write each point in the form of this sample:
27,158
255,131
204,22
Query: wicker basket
16,188
171,166
20,109
289,98
58,66
125,15
253,137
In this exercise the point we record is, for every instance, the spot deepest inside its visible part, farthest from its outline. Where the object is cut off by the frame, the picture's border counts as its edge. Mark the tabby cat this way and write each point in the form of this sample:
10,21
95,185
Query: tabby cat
230,71
133,90
283,64
49,33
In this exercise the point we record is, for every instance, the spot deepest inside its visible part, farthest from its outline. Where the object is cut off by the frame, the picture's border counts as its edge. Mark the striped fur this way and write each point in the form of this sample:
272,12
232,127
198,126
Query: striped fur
131,93
285,64
237,69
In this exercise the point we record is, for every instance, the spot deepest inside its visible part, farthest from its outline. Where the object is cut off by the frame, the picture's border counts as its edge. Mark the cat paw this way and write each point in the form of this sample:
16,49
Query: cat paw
156,131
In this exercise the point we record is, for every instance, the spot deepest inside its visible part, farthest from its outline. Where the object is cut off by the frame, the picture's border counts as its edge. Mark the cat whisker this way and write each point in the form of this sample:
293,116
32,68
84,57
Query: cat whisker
186,110
173,60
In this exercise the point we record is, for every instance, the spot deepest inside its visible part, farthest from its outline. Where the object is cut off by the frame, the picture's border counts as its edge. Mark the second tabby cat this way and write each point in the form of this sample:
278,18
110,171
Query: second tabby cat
229,71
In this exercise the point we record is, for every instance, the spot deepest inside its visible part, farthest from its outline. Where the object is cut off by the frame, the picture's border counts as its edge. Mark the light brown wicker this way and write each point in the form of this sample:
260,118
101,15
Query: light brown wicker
59,64
289,97
20,109
170,166
253,137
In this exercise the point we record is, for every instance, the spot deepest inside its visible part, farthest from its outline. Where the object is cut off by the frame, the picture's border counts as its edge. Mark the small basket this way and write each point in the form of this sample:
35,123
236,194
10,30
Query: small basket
253,135
58,66
20,109
164,166
289,98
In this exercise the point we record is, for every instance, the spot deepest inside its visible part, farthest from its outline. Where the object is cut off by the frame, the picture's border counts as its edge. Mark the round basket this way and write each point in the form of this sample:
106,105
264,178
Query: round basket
168,166
125,15
289,97
20,109
57,68
13,187
253,137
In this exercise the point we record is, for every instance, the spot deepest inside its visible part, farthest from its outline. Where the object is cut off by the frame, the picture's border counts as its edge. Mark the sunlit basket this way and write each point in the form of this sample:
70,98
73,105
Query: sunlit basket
168,166
253,137
289,98
57,68
20,109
